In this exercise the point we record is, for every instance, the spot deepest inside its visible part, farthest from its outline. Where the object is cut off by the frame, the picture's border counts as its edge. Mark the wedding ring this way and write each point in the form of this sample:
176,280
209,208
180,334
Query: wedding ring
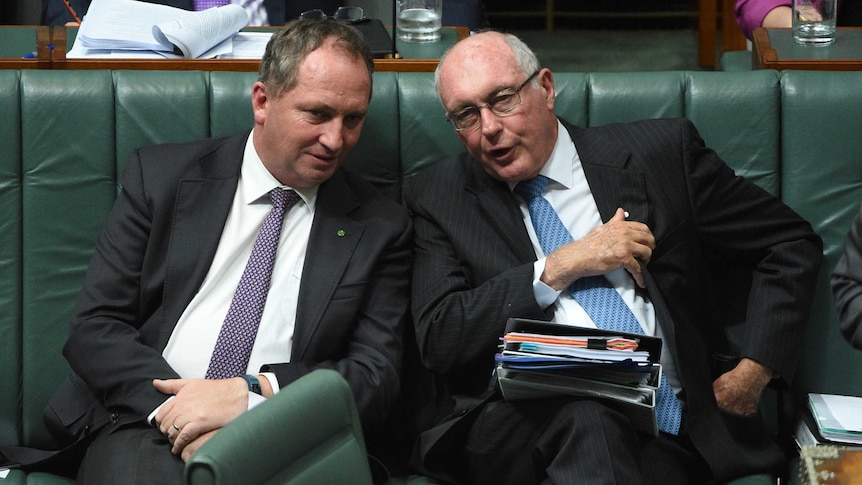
175,427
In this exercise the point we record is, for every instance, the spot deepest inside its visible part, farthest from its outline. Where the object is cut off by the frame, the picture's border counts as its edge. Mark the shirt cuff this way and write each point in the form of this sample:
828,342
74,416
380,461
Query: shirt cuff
544,294
152,417
273,381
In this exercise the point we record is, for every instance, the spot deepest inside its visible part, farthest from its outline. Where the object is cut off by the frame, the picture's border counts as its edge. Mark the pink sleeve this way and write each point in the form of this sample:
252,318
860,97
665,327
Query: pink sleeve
750,13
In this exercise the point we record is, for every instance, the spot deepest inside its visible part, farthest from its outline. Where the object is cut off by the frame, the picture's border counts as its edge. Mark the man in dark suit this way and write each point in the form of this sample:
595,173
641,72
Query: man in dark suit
55,12
175,246
847,284
651,209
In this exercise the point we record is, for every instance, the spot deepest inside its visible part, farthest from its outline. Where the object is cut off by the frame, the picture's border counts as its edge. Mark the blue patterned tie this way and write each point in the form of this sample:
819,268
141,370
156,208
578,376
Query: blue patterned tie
594,293
236,338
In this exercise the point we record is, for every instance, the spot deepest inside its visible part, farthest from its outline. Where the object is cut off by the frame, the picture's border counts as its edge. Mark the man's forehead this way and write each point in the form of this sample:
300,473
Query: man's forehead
471,80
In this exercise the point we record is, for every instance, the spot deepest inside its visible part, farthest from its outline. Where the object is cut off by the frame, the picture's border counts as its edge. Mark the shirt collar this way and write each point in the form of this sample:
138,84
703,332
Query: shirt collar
560,166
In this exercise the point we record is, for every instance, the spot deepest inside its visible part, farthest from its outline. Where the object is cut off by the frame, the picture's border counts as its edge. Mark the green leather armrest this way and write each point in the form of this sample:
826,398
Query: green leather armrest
308,433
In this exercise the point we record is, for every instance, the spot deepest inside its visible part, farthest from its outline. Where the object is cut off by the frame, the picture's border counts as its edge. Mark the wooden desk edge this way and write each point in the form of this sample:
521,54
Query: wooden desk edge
764,55
43,50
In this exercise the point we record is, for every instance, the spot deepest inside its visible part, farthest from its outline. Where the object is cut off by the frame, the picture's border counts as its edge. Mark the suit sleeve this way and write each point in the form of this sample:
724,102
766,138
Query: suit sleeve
745,225
847,285
466,281
107,345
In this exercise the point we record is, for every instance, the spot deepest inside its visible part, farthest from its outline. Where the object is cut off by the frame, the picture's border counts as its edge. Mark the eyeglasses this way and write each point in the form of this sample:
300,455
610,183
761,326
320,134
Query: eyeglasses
501,104
349,15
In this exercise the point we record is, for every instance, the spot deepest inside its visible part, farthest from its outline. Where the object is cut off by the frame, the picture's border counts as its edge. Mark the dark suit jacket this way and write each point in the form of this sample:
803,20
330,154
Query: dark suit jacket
847,284
156,249
473,270
278,11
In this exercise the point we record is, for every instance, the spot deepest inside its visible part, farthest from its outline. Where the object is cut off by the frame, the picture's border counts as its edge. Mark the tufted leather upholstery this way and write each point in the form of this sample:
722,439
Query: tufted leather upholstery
65,137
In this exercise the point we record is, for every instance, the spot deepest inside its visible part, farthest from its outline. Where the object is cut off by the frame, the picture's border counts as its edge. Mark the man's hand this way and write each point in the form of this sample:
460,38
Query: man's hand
738,391
192,447
199,406
616,244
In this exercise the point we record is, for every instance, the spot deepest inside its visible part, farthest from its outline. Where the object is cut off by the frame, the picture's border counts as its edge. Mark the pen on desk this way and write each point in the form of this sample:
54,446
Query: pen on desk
30,55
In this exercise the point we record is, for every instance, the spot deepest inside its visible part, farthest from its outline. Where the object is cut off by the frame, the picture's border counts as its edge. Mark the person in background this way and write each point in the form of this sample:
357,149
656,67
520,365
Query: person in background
776,14
261,12
847,284
230,267
652,215
465,13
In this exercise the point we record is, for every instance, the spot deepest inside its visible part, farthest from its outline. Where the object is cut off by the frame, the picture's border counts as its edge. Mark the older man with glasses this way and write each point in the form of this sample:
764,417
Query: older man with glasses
537,215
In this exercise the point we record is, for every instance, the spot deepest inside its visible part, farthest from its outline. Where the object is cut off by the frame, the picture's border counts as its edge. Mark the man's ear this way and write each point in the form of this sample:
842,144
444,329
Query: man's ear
259,98
546,81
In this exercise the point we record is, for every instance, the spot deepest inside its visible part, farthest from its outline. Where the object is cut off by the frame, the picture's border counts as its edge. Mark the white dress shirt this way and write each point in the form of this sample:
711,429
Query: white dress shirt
192,342
570,196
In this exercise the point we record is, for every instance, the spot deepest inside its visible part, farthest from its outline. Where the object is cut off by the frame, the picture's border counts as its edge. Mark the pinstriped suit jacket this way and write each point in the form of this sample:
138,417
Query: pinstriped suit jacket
473,270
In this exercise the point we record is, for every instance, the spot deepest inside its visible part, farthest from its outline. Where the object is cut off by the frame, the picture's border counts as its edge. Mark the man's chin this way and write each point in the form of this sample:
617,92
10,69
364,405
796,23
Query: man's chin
318,176
512,172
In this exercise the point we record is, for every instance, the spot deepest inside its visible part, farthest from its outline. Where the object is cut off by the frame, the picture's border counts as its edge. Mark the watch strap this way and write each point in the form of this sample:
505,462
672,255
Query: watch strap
253,383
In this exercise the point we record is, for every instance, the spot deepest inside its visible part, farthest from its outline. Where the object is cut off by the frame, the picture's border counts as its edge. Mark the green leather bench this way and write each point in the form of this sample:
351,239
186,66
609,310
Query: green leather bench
65,137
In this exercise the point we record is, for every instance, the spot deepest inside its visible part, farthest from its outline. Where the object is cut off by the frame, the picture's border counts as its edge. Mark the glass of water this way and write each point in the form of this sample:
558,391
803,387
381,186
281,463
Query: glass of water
419,20
814,21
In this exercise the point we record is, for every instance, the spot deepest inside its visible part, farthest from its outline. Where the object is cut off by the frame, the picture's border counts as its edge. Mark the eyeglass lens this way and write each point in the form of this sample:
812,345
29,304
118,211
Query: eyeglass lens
501,104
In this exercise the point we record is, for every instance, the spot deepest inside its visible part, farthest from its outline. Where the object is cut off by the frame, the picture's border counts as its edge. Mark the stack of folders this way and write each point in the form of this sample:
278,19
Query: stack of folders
540,360
837,419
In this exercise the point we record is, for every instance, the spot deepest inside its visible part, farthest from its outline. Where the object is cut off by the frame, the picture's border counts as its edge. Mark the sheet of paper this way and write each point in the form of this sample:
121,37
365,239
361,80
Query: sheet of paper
193,33
845,410
78,51
248,45
127,23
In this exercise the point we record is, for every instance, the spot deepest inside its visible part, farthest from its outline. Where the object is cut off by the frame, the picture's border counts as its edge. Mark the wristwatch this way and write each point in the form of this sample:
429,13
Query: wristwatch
253,383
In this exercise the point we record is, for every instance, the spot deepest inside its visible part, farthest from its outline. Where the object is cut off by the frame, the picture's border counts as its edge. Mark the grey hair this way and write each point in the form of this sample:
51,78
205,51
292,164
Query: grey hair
524,57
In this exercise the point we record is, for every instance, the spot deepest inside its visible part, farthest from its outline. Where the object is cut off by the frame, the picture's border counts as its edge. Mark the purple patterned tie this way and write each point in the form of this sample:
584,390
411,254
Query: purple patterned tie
236,338
205,4
594,293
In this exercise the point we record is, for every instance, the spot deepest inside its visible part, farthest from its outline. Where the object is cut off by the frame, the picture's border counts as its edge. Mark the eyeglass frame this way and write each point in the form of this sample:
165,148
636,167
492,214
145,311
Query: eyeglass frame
478,109
319,14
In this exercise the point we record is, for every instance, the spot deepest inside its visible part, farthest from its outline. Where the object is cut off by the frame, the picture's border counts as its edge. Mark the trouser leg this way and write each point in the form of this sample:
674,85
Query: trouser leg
130,455
552,441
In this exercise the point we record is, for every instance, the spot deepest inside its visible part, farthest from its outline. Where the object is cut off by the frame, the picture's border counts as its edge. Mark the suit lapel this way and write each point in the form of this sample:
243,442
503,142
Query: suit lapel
203,201
331,244
616,181
613,179
500,209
